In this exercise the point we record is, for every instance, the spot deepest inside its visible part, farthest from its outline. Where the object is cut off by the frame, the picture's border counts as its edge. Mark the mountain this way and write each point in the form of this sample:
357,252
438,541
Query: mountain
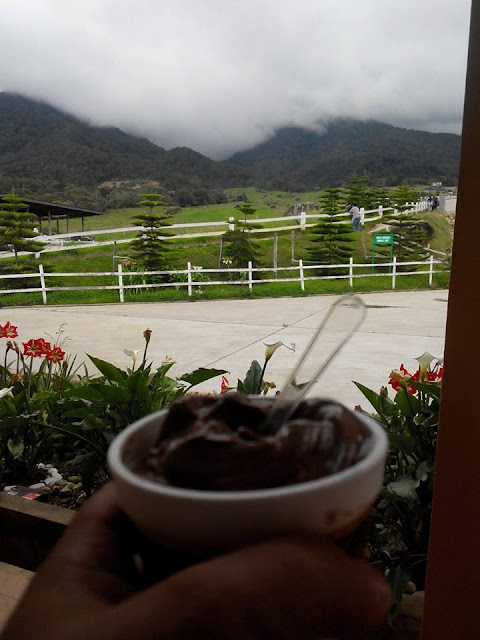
42,145
303,160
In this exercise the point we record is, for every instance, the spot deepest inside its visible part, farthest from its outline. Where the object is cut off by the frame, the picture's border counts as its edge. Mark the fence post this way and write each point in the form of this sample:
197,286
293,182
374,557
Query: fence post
430,275
231,223
42,283
394,271
350,272
362,215
275,253
303,220
189,278
250,275
302,277
380,211
120,283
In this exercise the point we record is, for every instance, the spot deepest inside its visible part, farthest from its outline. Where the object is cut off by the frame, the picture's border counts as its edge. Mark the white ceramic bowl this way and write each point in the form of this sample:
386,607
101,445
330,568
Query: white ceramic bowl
209,521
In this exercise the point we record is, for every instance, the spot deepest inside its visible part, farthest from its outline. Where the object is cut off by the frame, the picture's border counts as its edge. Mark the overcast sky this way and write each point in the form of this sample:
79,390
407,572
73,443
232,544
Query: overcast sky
220,75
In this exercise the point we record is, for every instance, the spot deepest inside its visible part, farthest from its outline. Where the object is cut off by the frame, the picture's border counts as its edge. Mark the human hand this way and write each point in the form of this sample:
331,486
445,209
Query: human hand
286,588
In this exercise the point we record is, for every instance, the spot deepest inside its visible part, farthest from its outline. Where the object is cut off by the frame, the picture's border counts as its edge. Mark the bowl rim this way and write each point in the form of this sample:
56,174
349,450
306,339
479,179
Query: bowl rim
119,469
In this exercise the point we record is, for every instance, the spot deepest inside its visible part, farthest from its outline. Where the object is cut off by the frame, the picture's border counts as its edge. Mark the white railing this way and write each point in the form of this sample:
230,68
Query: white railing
242,276
300,219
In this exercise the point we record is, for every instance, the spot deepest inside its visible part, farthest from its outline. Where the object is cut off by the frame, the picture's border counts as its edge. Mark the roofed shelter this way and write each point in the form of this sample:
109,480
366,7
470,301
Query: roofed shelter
48,211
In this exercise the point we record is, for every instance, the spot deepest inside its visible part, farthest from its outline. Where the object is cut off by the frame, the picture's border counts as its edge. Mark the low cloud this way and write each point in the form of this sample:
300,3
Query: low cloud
220,76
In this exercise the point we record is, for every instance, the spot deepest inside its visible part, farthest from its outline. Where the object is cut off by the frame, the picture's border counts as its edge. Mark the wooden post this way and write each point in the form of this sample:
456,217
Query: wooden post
430,275
350,272
292,246
452,592
250,276
220,255
114,255
394,271
120,283
303,220
83,223
68,223
189,278
231,223
302,277
275,249
49,223
42,284
380,211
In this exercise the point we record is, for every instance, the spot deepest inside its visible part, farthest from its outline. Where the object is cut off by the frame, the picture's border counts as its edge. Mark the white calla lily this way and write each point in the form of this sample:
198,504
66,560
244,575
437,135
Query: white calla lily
6,392
424,361
271,348
132,353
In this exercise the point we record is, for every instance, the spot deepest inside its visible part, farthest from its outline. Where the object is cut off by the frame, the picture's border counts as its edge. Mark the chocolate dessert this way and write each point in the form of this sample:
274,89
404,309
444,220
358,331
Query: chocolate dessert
220,444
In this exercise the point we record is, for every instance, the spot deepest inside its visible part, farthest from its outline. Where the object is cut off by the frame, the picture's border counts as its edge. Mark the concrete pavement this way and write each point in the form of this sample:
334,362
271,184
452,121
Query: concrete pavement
229,334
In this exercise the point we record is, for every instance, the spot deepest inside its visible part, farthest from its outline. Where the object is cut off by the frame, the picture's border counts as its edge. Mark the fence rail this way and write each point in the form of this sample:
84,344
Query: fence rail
247,276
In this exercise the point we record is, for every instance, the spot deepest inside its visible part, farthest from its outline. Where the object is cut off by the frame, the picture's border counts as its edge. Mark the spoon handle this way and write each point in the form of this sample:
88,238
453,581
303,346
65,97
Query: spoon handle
343,318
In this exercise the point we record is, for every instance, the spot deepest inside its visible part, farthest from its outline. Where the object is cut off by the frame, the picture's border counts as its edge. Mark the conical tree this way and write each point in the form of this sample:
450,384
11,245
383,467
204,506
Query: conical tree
239,246
357,191
17,226
411,234
332,242
149,246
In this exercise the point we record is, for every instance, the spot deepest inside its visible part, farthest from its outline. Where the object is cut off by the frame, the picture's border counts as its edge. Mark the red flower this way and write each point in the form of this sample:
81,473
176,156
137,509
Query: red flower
398,382
224,386
36,347
8,331
46,347
55,355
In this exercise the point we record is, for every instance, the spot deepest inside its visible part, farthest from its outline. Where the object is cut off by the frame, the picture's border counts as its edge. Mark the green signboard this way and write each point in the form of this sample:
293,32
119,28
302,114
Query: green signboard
382,238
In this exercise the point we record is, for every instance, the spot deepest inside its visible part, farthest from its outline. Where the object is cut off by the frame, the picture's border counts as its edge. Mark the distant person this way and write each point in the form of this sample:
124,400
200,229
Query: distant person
430,202
436,202
356,217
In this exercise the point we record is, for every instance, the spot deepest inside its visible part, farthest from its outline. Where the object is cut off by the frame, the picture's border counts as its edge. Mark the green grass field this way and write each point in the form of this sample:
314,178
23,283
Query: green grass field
204,252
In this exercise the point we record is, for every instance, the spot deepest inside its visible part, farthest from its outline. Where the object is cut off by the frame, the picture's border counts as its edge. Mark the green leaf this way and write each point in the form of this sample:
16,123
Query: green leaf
429,388
402,441
382,405
241,388
110,371
16,447
201,375
253,377
397,579
423,471
407,403
405,488
111,393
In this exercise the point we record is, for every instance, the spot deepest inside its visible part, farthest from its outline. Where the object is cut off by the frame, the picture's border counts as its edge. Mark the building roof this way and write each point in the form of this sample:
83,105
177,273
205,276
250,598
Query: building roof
42,209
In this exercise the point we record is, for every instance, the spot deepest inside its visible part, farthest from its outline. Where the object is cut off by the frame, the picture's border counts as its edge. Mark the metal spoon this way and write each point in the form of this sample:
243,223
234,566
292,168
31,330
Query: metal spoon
337,327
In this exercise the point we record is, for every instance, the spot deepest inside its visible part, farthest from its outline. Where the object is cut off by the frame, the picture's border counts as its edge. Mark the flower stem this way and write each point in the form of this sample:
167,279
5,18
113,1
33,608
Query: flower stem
260,384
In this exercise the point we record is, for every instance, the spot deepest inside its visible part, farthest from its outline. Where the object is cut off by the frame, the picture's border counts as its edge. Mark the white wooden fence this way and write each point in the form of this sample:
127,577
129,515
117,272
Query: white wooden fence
289,223
300,273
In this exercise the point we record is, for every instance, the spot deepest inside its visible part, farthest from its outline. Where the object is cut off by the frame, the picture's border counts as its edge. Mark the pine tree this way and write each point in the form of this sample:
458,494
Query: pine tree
149,246
357,191
17,226
411,234
239,246
332,241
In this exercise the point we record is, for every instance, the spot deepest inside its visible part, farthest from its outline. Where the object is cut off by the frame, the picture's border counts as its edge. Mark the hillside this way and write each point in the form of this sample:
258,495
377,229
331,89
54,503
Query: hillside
301,159
41,146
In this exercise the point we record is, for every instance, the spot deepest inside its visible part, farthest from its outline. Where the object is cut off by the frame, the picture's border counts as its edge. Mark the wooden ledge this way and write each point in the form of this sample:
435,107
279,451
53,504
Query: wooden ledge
29,530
